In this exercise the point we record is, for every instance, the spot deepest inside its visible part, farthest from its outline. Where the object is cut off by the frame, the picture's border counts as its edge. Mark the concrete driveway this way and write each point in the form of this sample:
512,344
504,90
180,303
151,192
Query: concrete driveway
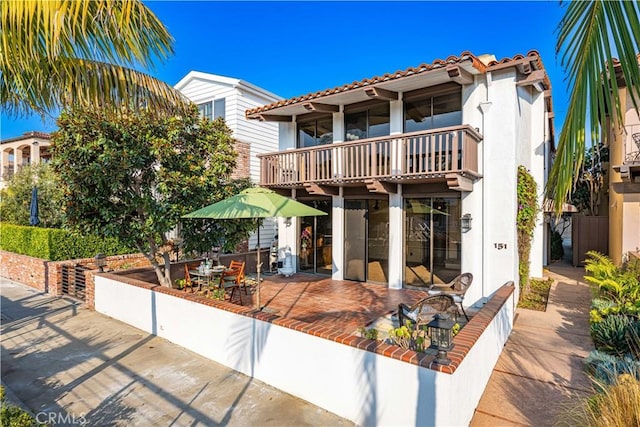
72,366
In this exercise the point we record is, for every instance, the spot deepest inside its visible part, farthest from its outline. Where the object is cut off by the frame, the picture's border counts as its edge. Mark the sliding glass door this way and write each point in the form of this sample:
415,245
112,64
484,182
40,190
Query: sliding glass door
316,240
432,240
366,245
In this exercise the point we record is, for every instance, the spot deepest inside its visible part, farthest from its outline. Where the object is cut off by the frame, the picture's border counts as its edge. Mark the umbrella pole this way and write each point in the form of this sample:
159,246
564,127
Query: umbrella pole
259,264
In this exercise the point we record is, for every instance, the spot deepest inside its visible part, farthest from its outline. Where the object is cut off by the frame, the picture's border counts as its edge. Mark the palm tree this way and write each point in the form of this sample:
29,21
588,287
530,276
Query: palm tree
590,35
55,54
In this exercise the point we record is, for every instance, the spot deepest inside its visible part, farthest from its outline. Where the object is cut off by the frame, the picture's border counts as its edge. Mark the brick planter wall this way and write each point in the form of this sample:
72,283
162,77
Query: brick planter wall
24,269
46,276
115,262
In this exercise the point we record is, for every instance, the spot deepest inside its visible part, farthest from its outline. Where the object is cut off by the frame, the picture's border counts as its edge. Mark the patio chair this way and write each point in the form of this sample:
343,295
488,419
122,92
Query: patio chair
188,282
423,311
456,288
237,265
231,279
634,156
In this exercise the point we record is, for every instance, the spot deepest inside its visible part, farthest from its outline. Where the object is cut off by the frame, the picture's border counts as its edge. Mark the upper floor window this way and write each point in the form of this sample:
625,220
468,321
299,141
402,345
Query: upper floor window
367,123
206,110
433,112
219,108
315,132
212,110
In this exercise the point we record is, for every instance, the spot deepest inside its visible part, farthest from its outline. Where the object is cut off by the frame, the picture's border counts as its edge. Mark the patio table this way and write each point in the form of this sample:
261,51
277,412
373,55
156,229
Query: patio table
208,276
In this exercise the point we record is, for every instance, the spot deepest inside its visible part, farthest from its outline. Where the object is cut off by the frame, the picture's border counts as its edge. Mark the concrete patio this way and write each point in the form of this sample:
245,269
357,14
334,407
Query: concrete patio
540,372
68,364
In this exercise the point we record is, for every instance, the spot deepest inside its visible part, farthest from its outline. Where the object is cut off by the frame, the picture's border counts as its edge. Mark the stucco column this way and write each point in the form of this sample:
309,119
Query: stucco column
396,127
4,163
17,159
396,240
337,219
338,136
35,153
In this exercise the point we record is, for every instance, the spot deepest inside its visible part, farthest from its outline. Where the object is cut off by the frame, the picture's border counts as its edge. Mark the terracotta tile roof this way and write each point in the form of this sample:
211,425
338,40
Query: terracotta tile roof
531,56
27,135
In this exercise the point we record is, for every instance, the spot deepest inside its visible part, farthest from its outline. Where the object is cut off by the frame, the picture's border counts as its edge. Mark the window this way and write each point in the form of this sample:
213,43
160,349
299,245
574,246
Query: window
433,112
219,108
206,110
315,132
212,110
368,123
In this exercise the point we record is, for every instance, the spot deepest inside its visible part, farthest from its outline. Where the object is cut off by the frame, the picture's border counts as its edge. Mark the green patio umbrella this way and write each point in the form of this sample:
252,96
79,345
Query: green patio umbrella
416,207
255,203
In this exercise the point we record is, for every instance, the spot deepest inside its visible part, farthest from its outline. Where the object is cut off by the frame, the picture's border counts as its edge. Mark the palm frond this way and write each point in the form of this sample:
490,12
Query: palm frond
56,53
590,36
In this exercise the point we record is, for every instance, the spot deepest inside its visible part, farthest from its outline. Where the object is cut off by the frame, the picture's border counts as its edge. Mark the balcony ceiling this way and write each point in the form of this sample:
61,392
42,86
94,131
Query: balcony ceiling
359,94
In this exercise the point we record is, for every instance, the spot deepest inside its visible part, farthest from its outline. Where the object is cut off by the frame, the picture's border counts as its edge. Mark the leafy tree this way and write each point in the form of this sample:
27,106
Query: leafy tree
200,235
133,176
59,53
588,188
590,35
15,199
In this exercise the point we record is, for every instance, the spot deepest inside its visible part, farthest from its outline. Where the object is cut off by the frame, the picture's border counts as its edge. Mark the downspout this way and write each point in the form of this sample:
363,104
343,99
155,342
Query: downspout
484,108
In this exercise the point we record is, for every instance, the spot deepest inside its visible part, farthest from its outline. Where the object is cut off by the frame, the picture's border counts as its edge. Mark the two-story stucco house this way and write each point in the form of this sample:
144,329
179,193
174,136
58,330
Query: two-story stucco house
226,97
624,178
417,170
29,149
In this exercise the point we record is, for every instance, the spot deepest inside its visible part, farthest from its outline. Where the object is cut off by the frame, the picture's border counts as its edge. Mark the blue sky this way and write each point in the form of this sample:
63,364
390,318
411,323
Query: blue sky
293,48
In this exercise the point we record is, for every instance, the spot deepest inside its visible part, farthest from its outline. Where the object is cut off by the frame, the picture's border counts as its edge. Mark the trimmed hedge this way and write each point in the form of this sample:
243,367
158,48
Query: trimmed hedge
55,244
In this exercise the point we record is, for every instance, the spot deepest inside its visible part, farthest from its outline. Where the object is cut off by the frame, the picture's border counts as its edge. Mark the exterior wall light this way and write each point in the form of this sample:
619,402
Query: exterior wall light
101,261
287,221
441,335
465,222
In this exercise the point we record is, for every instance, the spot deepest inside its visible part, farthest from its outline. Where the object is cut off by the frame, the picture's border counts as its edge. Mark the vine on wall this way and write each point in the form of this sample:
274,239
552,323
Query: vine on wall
526,221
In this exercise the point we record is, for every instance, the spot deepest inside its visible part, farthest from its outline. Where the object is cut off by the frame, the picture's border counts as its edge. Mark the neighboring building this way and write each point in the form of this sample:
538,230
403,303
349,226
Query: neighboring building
29,149
219,96
624,178
417,171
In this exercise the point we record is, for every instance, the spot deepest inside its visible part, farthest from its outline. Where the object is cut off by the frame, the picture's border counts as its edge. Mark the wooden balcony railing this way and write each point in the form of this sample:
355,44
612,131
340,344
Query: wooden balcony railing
431,153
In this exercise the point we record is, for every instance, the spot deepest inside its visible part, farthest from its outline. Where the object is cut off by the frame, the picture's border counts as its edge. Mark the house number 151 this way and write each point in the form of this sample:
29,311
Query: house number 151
500,246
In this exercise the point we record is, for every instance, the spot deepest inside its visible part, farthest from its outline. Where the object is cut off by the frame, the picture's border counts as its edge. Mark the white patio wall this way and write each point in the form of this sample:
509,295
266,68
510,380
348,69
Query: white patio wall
362,386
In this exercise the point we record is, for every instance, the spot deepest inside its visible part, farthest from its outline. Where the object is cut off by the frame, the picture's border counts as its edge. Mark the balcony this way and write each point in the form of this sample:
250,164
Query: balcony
445,154
629,168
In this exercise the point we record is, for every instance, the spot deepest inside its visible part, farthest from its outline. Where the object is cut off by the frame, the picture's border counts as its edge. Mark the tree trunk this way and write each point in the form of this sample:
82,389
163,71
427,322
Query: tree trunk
167,269
163,273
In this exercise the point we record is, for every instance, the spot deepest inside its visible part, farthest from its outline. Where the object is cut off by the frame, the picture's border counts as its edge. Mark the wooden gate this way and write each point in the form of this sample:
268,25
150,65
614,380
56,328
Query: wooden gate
588,233
73,281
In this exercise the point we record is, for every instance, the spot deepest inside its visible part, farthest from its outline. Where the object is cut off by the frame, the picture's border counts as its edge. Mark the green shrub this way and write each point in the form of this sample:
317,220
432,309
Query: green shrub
55,244
621,285
527,190
370,333
13,416
614,334
557,251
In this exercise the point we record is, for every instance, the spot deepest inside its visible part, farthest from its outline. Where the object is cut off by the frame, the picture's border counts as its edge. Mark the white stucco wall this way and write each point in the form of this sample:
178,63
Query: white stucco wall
500,249
364,387
530,152
472,202
631,223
